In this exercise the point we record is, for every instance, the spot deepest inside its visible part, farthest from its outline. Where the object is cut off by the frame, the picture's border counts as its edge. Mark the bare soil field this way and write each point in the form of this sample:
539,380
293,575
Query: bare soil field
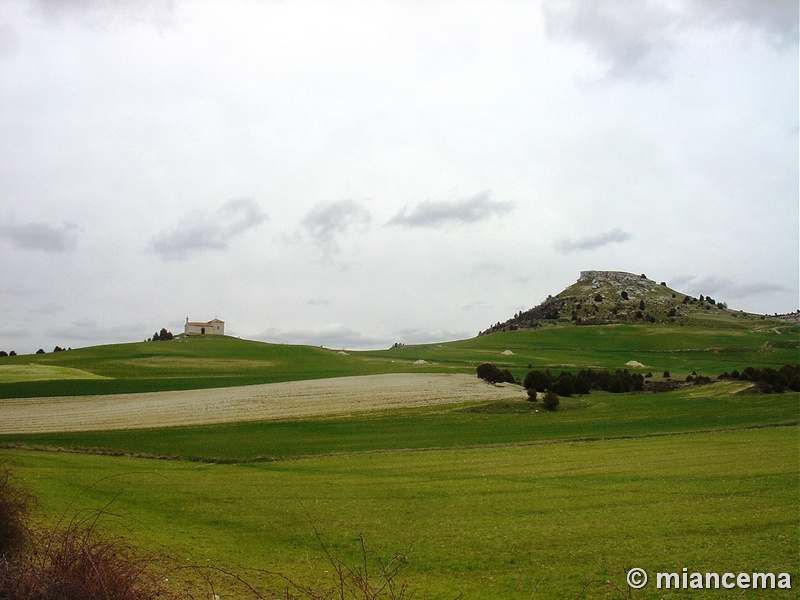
319,397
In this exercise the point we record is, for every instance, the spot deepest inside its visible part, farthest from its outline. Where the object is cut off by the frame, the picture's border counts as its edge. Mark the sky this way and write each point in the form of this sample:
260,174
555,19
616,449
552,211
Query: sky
353,174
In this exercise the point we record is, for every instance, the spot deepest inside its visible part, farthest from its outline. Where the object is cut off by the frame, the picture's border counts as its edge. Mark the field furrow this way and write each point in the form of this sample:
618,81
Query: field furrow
292,399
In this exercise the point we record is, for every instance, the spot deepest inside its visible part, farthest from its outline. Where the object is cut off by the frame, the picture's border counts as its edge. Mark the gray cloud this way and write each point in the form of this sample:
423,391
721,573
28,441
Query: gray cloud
103,13
725,287
317,302
50,308
434,214
338,336
42,236
88,330
591,242
212,231
636,39
326,222
776,19
421,336
633,39
332,336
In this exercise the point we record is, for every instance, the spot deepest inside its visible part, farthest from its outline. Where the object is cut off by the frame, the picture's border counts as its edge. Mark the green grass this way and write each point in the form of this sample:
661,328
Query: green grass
39,372
203,362
486,523
660,347
198,362
497,500
596,416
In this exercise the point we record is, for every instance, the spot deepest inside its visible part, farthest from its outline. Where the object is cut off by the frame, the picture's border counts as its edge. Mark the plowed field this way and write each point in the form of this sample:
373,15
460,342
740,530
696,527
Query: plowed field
293,399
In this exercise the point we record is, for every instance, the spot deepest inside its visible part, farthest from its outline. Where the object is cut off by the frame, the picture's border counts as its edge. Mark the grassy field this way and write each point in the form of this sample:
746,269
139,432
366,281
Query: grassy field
203,362
597,416
496,500
483,523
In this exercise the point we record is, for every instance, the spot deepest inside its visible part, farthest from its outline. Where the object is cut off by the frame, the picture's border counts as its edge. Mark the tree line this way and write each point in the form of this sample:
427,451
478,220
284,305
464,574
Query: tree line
767,380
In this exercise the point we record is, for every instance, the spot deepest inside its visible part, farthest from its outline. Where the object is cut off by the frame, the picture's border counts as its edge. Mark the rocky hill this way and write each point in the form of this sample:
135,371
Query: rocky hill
610,297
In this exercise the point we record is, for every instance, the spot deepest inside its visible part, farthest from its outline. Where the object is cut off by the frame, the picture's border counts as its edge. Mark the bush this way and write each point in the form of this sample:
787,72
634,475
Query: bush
68,563
163,336
550,401
489,372
539,381
564,385
75,562
14,506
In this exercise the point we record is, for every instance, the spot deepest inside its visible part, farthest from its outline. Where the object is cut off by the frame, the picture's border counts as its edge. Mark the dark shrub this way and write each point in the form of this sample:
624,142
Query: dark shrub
489,372
564,385
582,385
538,380
550,401
14,506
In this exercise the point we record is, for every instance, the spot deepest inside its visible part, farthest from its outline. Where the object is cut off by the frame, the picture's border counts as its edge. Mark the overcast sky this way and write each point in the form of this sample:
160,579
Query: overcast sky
354,174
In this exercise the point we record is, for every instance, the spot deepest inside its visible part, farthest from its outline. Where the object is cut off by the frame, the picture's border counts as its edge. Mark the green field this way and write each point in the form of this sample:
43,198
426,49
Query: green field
484,523
203,362
495,500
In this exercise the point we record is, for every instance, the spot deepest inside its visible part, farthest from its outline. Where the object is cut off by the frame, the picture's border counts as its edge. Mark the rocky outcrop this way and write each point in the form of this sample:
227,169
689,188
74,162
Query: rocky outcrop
619,281
612,297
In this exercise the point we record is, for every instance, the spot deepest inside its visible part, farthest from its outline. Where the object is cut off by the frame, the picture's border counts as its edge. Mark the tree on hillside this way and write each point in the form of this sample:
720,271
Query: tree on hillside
539,381
163,335
489,372
564,385
550,401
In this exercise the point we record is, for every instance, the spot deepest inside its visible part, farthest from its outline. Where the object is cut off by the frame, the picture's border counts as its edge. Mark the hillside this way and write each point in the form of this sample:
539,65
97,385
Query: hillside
615,297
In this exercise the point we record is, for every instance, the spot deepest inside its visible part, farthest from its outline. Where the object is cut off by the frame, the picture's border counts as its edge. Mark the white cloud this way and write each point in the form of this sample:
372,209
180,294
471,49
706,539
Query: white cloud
723,288
447,212
326,223
637,40
367,129
335,335
41,236
199,231
592,242
88,331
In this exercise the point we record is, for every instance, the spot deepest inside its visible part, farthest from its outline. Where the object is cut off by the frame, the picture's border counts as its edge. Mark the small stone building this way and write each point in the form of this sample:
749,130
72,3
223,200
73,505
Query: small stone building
213,327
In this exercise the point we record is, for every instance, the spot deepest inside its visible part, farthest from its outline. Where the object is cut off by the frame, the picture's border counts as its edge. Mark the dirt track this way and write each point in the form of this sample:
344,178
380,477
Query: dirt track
248,403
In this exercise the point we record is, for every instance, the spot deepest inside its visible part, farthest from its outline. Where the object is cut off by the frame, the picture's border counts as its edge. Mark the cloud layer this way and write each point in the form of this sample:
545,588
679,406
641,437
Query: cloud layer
592,242
637,40
327,222
200,231
475,209
41,236
356,139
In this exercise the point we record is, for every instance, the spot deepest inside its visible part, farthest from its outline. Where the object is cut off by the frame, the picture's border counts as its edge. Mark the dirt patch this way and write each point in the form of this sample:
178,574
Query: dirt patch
317,397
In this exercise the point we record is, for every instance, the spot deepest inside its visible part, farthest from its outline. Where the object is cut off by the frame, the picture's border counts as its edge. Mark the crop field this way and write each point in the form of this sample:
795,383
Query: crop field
490,495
